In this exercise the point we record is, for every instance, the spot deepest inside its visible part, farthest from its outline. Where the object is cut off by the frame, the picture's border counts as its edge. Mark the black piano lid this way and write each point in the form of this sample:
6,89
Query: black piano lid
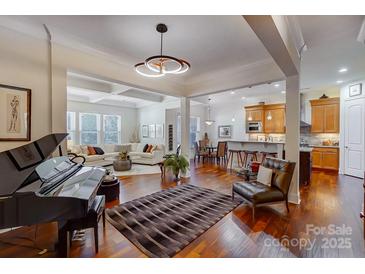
17,164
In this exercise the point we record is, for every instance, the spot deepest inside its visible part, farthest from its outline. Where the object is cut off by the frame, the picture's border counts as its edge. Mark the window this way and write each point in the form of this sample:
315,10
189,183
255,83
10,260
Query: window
178,130
194,130
71,125
89,128
112,132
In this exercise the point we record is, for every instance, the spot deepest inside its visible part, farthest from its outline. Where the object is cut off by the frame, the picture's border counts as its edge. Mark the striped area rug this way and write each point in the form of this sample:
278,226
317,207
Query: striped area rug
163,223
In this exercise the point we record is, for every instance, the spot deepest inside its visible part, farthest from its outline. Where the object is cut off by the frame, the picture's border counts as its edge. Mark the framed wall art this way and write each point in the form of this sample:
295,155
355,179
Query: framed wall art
152,131
145,131
15,113
224,131
159,131
355,90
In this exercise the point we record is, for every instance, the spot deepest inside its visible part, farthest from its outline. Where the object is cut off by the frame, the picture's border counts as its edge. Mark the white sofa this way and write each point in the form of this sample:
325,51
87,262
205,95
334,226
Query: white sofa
135,152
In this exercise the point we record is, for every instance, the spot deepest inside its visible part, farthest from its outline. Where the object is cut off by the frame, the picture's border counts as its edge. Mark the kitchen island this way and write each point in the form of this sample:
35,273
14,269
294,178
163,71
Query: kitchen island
259,146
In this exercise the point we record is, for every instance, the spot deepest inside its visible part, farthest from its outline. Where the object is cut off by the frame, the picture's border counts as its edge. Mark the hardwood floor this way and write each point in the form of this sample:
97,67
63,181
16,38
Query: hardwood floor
329,199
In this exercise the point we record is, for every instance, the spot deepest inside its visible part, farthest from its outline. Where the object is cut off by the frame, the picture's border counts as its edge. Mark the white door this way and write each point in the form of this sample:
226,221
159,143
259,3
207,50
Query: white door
354,137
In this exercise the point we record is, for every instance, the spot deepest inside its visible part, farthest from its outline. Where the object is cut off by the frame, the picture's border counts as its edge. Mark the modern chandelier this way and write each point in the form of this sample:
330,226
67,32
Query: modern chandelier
160,65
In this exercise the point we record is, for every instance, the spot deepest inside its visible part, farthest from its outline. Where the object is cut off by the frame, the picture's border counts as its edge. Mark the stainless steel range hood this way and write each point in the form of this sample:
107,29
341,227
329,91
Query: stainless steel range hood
303,124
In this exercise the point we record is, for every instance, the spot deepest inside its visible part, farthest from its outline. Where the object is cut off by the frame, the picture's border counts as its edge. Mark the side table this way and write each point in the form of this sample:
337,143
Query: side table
110,188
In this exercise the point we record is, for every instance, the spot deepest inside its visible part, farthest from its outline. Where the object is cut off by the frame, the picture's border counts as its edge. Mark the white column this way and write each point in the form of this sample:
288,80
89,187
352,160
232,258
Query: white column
185,129
293,133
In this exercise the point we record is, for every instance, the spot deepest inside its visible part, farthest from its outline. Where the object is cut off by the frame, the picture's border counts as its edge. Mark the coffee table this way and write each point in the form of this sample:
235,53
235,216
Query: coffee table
120,165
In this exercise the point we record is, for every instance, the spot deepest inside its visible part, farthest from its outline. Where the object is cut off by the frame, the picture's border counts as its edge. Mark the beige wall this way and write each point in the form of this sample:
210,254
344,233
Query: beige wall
24,63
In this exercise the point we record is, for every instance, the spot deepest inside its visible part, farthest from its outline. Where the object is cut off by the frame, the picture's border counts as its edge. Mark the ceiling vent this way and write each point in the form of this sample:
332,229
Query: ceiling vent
361,35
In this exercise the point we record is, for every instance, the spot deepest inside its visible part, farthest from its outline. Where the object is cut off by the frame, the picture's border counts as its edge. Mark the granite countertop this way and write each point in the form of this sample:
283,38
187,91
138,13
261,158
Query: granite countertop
252,141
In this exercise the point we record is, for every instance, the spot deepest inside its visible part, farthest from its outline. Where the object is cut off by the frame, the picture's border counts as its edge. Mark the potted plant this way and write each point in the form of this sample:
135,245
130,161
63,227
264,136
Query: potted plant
123,155
177,163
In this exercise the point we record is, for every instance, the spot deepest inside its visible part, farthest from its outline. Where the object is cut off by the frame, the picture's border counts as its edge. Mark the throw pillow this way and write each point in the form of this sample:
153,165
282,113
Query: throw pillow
264,175
145,148
149,148
153,148
91,150
99,150
84,150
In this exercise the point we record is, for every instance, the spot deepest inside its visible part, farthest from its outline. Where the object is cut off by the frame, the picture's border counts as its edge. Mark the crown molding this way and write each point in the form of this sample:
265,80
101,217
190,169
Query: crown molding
296,34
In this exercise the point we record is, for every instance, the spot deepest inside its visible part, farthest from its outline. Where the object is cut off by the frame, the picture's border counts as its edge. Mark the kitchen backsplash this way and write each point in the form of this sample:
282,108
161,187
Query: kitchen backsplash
267,137
331,139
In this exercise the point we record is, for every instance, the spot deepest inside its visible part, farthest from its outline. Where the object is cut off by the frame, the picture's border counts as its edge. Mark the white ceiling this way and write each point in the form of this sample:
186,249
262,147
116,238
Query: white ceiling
250,95
209,43
81,88
332,45
216,44
322,30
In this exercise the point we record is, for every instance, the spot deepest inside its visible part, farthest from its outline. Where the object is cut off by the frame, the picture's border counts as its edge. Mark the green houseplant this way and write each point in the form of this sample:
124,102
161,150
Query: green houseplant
176,163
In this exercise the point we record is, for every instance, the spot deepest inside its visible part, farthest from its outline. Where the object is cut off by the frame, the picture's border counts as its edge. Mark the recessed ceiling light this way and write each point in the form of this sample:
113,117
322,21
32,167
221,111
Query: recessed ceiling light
342,70
276,85
232,92
233,119
243,97
283,91
339,81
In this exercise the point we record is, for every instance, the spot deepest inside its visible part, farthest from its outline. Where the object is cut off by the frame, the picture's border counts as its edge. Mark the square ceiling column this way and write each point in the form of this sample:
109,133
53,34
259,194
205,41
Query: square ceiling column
275,34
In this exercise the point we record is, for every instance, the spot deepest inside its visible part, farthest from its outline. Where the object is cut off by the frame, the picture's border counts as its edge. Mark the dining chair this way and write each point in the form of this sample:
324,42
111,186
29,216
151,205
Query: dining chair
199,152
221,153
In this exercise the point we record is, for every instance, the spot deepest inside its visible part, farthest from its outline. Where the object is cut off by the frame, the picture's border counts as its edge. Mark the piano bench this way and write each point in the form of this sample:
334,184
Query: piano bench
91,220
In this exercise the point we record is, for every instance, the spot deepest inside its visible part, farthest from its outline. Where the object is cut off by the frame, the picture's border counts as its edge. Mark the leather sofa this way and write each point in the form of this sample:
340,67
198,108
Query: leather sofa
257,194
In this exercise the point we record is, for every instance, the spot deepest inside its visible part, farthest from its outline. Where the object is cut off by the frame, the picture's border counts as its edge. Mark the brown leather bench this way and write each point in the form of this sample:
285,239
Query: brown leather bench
257,194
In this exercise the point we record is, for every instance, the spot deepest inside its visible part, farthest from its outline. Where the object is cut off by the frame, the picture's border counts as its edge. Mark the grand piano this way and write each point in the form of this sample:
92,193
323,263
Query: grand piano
36,188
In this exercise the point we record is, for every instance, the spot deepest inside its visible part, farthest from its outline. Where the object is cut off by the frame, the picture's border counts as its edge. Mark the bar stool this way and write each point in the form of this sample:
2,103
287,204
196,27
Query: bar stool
249,156
265,154
231,153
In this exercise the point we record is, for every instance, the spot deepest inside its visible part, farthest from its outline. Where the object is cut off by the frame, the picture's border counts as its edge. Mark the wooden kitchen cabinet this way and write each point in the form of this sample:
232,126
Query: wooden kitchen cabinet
255,113
325,115
326,158
277,122
316,159
331,118
260,113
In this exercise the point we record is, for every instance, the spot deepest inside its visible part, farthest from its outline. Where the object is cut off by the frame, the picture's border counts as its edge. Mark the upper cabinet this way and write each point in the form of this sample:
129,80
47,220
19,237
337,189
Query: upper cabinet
255,113
271,116
274,118
325,115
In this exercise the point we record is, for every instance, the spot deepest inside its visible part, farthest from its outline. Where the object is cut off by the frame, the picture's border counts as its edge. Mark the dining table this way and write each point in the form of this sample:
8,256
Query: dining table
210,149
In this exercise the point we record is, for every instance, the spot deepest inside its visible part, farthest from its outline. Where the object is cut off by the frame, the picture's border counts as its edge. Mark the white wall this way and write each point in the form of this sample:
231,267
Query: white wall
129,116
222,114
24,63
152,115
166,114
